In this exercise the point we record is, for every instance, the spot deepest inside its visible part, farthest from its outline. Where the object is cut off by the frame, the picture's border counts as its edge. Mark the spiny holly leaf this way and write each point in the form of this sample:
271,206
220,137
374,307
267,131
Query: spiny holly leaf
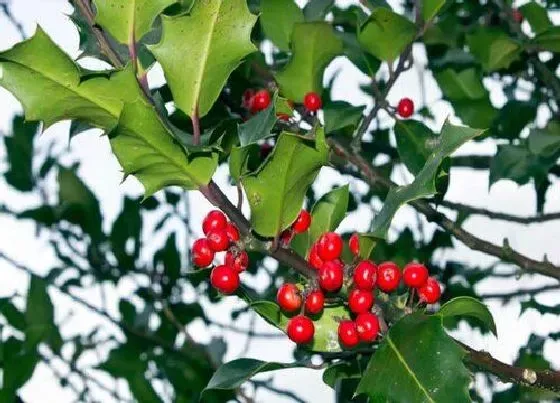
314,45
340,114
292,168
416,362
415,143
386,34
146,150
19,149
493,48
199,51
278,18
259,126
243,160
326,324
469,307
233,374
36,70
129,20
452,137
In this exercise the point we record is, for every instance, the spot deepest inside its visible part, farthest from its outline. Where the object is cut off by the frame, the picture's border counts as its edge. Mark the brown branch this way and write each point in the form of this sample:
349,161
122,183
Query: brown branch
376,179
498,215
545,379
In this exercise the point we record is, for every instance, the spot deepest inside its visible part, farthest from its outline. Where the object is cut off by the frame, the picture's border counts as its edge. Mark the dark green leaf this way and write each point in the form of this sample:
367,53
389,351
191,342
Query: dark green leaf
549,39
512,118
19,364
243,160
39,317
493,48
430,8
278,18
537,16
340,114
459,85
470,307
415,143
259,127
19,149
127,230
316,10
12,315
45,215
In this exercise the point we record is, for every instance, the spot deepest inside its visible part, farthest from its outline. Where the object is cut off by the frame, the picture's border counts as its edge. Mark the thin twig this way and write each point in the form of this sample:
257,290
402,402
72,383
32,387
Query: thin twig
13,20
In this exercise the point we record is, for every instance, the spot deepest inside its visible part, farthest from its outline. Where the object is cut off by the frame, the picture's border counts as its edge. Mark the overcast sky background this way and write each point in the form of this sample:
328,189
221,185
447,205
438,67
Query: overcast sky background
101,172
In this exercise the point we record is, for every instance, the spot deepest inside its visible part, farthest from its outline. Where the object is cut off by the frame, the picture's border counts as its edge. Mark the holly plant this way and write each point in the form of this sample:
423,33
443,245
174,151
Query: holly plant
246,91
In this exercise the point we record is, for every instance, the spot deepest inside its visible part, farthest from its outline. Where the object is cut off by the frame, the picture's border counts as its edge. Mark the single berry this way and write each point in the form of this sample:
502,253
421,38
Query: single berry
331,276
239,261
314,302
302,222
232,232
365,275
300,329
367,325
312,102
388,276
415,275
218,240
286,237
430,292
314,259
261,100
405,108
289,298
360,301
329,246
354,244
224,279
348,334
214,220
202,253
517,15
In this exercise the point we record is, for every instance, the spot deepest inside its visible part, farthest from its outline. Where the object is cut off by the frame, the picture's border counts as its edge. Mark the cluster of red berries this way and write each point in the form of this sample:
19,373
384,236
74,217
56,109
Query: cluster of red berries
256,101
325,256
220,236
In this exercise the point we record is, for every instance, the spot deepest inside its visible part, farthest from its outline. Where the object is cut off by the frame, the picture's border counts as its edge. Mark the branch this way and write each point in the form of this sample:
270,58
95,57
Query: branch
8,13
545,379
500,216
376,179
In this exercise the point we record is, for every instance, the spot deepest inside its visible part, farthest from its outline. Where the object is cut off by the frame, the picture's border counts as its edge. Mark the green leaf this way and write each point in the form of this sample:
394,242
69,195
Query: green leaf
146,150
328,212
78,204
213,39
340,114
326,325
259,127
417,362
39,317
278,18
126,233
549,39
465,84
233,374
430,8
470,307
36,69
314,45
386,34
129,20
452,137
537,16
475,113
21,363
415,143
364,61
12,315
243,160
493,48
317,10
19,150
341,370
512,119
292,168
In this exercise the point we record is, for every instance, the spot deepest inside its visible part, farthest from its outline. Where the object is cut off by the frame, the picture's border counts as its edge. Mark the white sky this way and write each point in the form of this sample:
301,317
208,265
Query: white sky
102,173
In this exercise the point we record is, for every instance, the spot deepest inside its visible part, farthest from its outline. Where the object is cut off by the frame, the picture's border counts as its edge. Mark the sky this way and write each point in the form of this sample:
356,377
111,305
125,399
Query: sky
101,172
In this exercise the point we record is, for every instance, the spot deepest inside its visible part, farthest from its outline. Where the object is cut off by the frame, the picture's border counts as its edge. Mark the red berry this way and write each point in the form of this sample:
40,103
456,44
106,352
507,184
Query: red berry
261,100
314,259
517,15
415,275
232,232
283,116
314,302
202,253
247,98
239,261
300,329
348,334
354,244
286,237
289,298
218,240
225,279
312,102
388,276
214,220
365,275
329,246
331,276
367,325
302,222
405,108
360,301
430,292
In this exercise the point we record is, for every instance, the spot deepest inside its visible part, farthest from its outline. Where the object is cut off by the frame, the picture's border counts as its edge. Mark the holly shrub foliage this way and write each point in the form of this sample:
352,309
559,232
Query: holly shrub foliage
245,89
